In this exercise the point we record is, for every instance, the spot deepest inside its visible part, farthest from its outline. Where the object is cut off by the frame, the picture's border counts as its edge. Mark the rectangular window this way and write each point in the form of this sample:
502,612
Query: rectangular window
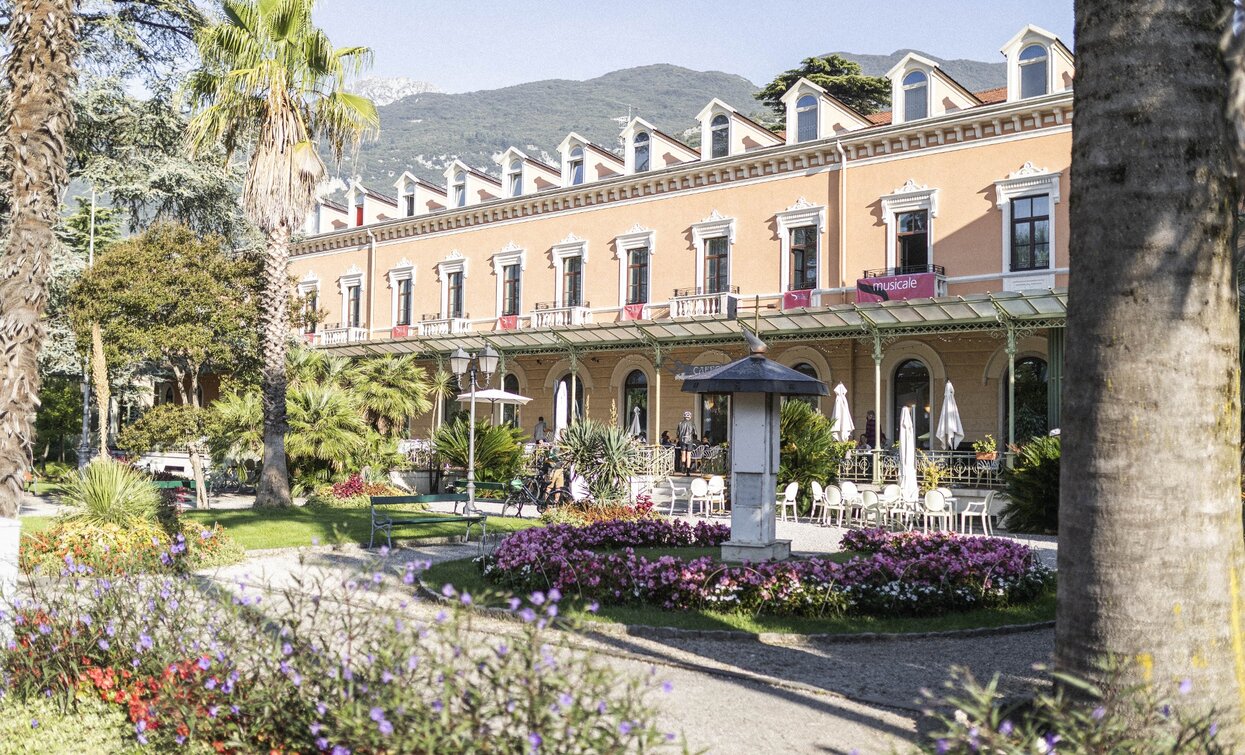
404,302
358,213
354,309
637,276
577,172
803,270
912,242
717,268
1031,233
410,205
510,290
311,311
454,295
572,282
516,184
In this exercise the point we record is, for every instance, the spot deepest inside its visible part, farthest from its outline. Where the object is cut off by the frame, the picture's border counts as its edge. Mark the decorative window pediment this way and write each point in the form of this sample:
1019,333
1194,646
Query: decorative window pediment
911,196
510,254
1027,180
712,227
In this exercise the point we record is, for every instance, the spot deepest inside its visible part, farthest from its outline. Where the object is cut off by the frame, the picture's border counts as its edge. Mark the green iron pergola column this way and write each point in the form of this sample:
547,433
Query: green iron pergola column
1011,385
877,407
1054,375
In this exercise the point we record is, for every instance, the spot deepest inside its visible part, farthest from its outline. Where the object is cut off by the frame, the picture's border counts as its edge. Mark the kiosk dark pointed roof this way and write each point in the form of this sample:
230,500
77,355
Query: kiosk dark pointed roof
756,373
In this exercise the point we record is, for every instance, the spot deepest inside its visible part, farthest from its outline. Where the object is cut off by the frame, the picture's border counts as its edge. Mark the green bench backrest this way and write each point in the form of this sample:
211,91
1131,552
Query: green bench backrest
387,500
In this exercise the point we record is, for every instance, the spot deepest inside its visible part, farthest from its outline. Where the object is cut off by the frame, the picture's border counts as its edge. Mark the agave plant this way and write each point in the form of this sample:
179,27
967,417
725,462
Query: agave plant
499,448
606,455
108,492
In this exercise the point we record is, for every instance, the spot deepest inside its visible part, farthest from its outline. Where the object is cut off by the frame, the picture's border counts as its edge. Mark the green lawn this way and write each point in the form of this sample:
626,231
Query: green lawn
292,528
465,575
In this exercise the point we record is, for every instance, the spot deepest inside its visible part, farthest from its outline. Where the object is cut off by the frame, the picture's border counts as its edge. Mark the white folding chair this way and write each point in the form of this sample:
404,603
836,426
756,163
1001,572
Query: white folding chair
819,501
833,501
788,501
935,510
717,492
700,494
676,492
976,510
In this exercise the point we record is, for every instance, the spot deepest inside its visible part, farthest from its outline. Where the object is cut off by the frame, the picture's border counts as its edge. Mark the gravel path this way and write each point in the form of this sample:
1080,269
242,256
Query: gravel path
733,696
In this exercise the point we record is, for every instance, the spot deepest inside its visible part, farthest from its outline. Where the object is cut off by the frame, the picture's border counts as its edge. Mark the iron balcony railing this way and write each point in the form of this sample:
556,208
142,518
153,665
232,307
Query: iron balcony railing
887,272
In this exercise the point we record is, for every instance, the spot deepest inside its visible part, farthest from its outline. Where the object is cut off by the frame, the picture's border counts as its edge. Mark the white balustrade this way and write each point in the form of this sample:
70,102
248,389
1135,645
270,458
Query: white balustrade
703,305
339,336
561,317
444,326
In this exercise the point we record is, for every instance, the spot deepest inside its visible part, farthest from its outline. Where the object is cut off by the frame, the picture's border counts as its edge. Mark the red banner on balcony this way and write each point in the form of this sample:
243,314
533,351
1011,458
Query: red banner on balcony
897,287
400,331
508,322
797,299
633,312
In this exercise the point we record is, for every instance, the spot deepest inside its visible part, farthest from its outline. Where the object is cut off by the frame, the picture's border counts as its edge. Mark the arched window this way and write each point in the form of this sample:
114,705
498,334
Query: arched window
576,409
516,178
577,166
1033,67
915,96
460,189
806,118
804,368
510,412
911,388
635,404
720,136
641,152
1031,385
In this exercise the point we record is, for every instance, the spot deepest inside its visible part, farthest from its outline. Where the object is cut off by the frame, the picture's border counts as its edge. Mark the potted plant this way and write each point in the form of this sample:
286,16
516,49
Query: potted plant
929,471
986,448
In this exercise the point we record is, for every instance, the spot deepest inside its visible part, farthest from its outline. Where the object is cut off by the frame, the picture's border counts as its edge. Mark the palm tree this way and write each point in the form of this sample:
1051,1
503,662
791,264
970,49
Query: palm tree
271,79
441,387
40,71
1151,566
391,389
325,425
304,365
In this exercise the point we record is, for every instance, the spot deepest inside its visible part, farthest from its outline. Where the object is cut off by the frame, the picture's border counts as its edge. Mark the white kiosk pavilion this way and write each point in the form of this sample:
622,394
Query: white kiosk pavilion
755,384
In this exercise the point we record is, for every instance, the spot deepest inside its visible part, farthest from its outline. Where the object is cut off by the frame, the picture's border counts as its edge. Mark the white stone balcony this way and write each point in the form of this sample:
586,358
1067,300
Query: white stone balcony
443,326
688,302
339,336
547,316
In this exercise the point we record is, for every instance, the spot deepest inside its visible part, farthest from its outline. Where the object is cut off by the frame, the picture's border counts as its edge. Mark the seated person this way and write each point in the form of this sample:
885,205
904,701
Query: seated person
863,443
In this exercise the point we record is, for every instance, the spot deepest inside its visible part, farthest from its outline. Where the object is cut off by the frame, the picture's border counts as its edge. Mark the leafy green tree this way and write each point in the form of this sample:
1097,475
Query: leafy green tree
271,81
839,76
808,452
325,426
605,454
192,311
60,416
235,427
172,427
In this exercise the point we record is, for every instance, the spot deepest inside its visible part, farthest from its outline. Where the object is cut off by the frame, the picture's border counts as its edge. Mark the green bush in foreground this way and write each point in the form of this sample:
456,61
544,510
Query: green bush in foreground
107,492
1033,488
41,725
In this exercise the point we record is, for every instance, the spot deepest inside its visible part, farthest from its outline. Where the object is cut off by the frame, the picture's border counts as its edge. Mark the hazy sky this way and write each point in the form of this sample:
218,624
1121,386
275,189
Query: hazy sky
462,45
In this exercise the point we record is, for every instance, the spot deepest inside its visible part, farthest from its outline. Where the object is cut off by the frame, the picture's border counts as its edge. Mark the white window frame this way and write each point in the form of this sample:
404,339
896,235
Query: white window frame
510,174
648,144
571,246
908,198
510,254
352,277
707,134
403,271
453,263
929,92
455,185
310,284
638,237
712,227
802,213
1048,59
1028,181
816,116
568,169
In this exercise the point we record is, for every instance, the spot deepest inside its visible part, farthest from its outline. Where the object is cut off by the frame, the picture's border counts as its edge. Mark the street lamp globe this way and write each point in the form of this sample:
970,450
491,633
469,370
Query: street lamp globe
460,361
488,361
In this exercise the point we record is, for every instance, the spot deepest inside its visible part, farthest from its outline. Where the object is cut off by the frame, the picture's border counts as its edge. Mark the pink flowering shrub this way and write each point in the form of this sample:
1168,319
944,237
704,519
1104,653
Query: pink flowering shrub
898,574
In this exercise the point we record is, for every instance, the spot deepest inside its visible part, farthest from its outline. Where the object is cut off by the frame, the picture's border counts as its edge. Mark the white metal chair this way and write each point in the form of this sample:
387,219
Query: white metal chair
789,501
697,457
935,510
717,492
833,501
676,492
700,494
851,498
870,508
891,499
976,510
819,501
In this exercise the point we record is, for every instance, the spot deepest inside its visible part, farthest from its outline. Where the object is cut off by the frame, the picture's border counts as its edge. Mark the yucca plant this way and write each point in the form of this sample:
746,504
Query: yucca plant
499,449
606,455
108,492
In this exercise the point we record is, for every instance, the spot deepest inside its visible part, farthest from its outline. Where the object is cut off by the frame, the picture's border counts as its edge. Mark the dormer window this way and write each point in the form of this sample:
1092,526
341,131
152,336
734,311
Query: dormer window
641,152
1034,63
358,209
460,189
514,178
577,166
720,131
806,118
915,96
409,201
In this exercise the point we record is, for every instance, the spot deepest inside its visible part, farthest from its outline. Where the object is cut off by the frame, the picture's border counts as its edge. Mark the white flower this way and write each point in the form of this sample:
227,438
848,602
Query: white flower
961,717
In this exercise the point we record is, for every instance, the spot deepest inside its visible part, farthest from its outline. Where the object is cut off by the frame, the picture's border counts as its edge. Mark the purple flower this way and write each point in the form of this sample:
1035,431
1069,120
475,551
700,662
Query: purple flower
204,663
340,750
535,741
322,743
377,714
103,644
1098,713
34,723
942,746
448,590
1006,728
286,648
1186,686
384,727
624,728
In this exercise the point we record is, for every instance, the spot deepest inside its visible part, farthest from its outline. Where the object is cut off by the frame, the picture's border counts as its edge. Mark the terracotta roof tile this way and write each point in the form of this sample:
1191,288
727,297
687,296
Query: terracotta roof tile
991,96
880,119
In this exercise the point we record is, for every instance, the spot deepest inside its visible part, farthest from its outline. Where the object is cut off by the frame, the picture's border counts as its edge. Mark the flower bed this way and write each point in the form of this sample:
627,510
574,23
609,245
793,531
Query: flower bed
352,493
591,512
898,574
138,547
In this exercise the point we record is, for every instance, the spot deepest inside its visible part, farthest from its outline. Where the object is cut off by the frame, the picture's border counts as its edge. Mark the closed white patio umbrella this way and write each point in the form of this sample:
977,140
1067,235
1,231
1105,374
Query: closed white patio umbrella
561,410
950,430
841,425
908,487
635,430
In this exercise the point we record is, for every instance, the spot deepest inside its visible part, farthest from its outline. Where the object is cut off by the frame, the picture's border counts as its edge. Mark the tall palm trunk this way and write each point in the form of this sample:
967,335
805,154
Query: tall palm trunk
39,73
103,391
1151,557
274,481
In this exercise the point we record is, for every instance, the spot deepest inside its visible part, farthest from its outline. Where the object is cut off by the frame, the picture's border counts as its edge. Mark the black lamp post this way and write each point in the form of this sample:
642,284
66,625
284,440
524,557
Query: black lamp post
470,366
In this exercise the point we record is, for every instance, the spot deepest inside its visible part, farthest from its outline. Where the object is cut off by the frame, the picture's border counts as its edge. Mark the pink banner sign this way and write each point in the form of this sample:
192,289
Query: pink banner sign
508,322
400,331
897,287
633,312
797,299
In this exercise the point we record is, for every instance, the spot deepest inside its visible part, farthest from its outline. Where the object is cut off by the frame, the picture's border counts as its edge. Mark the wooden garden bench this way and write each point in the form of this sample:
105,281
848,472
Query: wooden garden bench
381,520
